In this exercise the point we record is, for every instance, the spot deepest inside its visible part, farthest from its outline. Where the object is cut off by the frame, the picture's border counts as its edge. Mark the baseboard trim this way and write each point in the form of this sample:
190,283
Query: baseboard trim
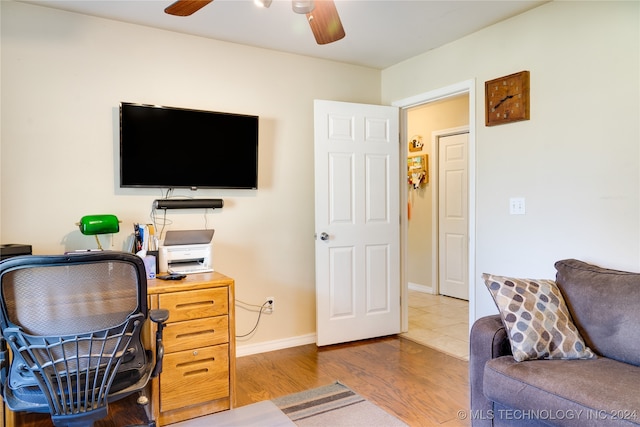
421,288
263,347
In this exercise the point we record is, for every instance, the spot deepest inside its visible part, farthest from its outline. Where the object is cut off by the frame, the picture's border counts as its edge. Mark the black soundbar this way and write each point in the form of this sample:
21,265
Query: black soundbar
188,203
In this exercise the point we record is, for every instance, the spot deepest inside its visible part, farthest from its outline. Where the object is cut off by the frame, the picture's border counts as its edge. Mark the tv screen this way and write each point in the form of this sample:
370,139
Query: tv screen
168,147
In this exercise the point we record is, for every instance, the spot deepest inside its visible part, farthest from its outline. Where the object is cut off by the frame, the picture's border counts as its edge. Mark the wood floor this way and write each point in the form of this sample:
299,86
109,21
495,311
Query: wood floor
419,385
125,412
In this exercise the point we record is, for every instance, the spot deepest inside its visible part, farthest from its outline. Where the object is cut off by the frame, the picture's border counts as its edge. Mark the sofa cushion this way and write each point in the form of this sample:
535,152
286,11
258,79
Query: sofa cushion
577,393
605,307
537,320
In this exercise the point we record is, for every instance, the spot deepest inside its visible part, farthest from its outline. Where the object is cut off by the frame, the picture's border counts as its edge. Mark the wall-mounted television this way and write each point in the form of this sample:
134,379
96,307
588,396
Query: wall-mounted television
169,147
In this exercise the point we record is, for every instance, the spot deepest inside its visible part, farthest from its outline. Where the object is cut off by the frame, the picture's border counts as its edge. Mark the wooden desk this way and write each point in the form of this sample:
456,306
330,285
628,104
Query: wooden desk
198,375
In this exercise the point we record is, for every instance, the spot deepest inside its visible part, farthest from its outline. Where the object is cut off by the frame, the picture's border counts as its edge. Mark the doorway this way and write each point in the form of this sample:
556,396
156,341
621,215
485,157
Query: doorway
433,319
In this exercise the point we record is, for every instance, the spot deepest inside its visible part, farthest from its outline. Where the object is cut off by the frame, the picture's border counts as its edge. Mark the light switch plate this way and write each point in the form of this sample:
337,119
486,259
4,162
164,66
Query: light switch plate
516,206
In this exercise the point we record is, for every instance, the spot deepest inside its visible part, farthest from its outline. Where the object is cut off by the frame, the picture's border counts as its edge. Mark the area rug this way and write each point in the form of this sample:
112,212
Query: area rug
333,405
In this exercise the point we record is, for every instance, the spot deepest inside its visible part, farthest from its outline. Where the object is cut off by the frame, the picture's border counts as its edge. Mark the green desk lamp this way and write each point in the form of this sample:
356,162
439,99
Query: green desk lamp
98,224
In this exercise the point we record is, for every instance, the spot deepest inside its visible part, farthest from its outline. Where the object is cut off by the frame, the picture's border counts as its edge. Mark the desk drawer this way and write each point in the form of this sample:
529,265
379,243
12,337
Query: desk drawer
194,376
189,305
189,334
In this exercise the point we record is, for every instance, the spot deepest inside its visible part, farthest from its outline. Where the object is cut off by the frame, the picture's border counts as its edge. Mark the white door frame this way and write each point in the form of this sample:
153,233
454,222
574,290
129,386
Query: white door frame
467,86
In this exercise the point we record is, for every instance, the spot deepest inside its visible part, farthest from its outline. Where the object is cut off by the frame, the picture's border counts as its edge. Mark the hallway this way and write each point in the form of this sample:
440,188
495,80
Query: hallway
439,322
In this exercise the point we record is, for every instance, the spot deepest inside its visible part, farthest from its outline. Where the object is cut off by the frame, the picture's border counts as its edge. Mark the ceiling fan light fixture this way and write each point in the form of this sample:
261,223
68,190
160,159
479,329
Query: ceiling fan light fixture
263,3
303,6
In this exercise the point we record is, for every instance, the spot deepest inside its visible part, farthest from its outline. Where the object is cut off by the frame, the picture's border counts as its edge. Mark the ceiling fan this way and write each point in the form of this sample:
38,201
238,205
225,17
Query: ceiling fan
322,15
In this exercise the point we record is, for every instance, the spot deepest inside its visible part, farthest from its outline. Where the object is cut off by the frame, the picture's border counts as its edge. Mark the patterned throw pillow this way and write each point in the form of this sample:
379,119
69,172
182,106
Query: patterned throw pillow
537,319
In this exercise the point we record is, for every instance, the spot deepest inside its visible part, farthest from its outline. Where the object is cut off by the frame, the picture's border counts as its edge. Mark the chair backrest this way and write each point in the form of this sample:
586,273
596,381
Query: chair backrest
73,323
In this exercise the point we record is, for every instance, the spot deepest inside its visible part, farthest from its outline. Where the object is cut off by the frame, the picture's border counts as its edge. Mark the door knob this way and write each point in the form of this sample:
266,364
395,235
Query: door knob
324,236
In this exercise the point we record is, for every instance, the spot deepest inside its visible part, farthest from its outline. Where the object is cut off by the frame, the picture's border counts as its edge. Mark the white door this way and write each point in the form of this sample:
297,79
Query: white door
357,223
452,216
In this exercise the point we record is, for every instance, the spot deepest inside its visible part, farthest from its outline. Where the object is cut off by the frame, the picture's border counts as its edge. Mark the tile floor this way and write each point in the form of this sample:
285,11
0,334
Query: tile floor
439,322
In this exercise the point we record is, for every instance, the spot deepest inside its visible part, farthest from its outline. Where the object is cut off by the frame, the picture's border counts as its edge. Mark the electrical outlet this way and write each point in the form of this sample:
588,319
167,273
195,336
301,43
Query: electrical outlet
269,304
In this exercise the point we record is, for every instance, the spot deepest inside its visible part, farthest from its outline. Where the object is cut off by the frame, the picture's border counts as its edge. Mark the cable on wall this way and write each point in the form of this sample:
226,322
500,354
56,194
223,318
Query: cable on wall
261,309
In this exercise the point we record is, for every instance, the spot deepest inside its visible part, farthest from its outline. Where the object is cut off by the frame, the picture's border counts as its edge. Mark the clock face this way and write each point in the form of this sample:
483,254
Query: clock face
507,99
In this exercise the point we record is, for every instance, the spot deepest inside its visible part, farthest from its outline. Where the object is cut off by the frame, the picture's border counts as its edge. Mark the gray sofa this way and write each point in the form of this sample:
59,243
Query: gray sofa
603,391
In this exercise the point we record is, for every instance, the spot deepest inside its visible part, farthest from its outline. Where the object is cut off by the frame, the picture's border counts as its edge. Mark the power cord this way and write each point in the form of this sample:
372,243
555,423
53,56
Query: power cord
261,309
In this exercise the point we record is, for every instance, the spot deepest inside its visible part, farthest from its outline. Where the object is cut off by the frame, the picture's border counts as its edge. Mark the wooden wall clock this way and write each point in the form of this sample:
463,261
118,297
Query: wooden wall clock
507,99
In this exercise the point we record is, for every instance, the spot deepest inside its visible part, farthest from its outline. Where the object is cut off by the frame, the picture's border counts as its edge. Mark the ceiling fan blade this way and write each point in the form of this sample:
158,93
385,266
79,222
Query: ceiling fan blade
325,22
186,7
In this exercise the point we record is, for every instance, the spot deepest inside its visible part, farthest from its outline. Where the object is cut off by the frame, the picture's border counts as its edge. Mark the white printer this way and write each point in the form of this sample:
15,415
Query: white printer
187,252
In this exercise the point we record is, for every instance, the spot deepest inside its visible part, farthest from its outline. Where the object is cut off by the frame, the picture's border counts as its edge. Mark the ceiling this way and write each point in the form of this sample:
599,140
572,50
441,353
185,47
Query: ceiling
379,33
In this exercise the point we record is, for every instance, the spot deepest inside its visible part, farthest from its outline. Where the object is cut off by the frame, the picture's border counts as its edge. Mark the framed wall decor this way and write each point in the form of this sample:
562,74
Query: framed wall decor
418,170
507,99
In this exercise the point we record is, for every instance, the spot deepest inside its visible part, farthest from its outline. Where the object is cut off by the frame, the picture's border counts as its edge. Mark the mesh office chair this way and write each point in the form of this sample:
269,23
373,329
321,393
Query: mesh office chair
73,324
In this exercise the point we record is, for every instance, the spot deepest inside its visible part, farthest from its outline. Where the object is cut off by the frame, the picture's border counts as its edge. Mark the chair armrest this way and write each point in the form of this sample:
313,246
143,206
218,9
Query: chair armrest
488,340
158,316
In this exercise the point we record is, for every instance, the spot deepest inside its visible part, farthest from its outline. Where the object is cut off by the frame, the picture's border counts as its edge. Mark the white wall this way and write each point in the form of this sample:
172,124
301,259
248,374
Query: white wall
63,76
576,161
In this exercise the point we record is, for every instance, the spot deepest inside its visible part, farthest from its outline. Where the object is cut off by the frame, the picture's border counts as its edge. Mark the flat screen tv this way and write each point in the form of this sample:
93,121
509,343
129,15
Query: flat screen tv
169,147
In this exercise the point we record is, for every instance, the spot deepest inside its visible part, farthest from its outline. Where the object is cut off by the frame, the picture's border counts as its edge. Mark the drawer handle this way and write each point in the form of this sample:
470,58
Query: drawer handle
195,362
195,334
198,372
194,304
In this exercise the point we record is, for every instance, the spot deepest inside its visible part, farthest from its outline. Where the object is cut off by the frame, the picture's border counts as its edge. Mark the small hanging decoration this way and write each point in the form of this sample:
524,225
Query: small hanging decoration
417,171
416,179
415,143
